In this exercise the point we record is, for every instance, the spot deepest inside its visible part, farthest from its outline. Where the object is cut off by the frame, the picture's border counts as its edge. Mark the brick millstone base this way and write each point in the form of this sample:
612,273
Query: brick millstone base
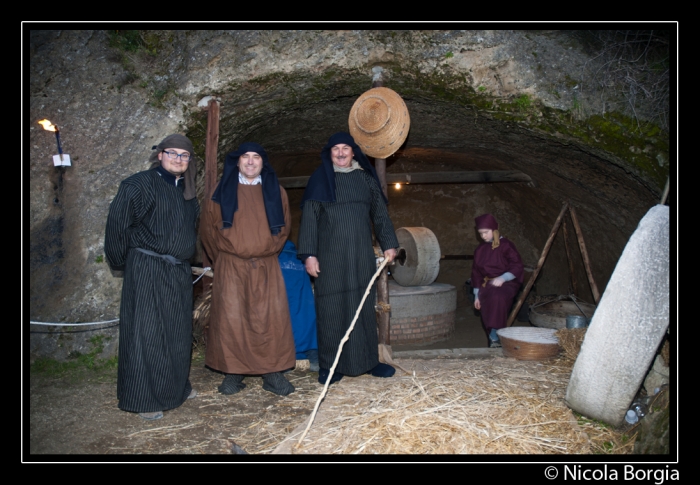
430,328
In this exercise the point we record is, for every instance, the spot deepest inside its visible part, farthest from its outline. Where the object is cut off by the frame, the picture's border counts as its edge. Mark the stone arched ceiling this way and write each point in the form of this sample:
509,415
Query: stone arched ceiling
292,118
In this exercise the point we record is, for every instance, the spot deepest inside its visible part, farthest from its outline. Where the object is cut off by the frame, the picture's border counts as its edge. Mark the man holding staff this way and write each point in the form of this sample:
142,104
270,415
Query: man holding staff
342,202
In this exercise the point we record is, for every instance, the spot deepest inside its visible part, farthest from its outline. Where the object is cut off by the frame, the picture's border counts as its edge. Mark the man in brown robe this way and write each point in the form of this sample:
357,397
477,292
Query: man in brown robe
243,229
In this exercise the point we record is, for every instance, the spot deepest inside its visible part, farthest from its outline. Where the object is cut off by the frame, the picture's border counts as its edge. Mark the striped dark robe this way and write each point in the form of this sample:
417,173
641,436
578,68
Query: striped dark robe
155,333
339,234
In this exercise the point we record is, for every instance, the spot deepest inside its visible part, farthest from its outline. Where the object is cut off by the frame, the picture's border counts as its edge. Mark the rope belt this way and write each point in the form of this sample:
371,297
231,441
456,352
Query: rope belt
486,280
170,259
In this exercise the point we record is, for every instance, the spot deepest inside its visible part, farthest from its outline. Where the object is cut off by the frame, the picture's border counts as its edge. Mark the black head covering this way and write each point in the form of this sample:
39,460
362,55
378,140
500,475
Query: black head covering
321,185
226,193
183,143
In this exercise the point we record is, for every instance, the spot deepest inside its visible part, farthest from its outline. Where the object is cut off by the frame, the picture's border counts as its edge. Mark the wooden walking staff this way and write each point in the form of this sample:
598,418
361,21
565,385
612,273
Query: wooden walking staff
547,245
345,338
210,167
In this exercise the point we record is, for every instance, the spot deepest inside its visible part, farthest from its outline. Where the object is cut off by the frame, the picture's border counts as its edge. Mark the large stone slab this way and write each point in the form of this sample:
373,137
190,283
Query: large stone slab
627,327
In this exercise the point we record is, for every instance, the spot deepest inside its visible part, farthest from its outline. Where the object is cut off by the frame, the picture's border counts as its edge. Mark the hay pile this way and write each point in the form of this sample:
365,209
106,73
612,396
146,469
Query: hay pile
494,406
570,340
200,317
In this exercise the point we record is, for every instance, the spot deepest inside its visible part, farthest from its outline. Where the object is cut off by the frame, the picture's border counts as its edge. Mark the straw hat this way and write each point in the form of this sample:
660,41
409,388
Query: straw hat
379,122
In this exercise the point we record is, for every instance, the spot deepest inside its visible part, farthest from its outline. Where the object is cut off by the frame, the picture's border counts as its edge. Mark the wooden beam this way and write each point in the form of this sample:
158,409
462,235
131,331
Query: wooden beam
465,257
458,177
210,168
483,177
572,276
212,145
380,167
383,304
584,254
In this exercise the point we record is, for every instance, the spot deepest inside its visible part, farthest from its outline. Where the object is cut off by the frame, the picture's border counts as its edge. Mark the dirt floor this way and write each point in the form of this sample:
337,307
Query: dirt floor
73,416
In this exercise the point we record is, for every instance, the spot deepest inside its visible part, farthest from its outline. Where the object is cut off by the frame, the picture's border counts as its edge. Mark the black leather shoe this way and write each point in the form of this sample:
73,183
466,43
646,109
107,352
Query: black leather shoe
323,376
382,370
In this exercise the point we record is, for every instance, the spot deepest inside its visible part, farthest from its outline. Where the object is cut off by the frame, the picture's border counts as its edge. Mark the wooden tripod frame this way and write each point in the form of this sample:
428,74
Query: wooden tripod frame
545,251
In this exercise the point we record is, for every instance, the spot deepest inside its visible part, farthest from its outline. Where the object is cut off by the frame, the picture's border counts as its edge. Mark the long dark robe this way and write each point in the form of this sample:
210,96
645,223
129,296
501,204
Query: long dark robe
339,234
496,301
155,332
250,331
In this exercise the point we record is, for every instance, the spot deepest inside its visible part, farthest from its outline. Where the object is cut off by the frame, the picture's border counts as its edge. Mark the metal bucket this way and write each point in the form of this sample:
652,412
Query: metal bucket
576,321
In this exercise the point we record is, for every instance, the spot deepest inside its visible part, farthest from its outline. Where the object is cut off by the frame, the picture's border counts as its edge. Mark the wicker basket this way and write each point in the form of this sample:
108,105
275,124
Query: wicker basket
525,343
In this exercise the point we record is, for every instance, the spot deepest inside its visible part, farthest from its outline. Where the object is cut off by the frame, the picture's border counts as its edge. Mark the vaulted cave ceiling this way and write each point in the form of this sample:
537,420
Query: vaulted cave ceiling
293,122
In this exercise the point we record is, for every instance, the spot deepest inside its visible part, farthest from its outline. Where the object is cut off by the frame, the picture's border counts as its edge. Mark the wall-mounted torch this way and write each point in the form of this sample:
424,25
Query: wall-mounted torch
48,126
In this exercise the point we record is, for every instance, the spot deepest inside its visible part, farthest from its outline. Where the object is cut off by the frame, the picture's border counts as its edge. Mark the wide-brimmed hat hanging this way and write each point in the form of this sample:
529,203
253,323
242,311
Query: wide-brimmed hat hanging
379,122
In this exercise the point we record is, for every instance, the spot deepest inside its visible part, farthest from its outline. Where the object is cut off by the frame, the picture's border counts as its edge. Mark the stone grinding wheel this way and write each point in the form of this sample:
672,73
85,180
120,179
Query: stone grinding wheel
421,264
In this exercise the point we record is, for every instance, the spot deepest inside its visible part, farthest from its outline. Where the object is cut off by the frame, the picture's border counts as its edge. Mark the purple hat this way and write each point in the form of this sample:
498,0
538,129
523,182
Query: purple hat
486,221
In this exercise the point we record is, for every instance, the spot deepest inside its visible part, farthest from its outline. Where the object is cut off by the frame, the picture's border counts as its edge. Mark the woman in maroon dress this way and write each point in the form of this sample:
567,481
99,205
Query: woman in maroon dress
497,273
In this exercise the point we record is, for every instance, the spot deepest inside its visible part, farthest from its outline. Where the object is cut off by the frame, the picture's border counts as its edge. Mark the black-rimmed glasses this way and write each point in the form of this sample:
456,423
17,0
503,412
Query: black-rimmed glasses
185,157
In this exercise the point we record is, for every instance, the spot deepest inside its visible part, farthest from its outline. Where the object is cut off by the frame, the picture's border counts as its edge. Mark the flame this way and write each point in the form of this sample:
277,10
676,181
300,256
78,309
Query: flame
47,125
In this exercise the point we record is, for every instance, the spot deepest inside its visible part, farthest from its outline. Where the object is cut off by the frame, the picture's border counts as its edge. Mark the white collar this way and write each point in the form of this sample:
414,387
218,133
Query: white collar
353,166
242,180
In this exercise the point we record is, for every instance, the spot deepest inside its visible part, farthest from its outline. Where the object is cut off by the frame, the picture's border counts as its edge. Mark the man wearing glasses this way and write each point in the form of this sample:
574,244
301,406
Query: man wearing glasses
150,235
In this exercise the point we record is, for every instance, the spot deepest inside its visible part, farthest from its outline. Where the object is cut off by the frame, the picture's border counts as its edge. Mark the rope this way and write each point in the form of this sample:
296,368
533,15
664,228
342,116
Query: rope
340,349
200,276
73,324
97,323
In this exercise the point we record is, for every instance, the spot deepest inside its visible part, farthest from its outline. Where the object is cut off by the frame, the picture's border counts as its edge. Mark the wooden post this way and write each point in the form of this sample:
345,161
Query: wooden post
210,169
380,167
547,245
383,312
572,277
383,306
584,254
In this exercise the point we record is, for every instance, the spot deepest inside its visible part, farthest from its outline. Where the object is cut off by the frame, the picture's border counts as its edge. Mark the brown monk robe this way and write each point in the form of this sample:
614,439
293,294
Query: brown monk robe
250,331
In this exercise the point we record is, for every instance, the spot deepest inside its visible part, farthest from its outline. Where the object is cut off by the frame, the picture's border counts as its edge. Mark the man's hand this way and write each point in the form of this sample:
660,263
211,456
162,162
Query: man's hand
312,266
390,254
497,282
